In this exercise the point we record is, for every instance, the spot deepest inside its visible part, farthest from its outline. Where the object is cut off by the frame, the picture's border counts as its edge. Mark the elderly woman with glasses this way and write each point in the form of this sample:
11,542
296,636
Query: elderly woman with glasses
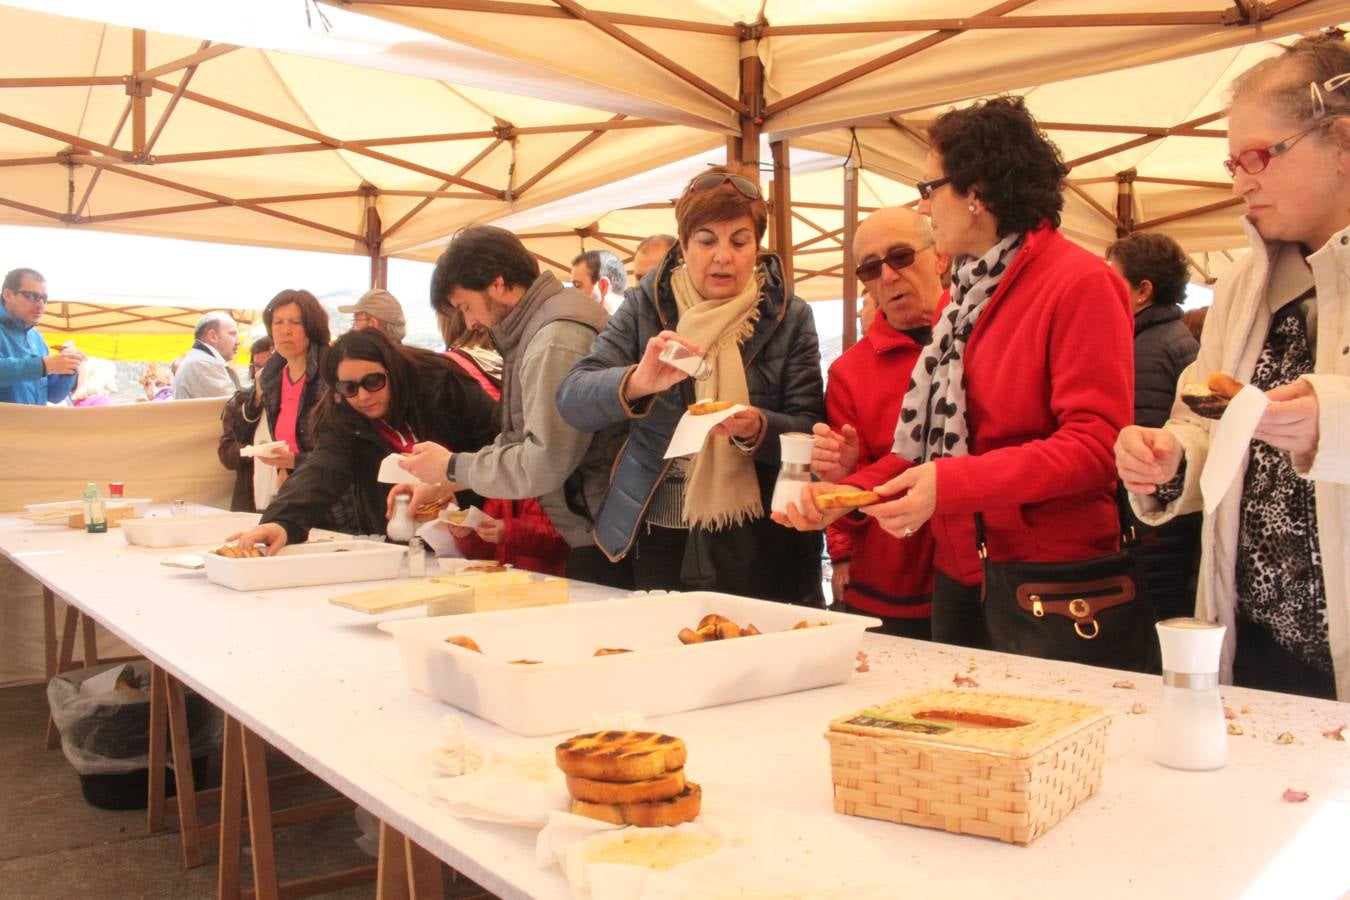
1274,566
701,521
382,398
1013,407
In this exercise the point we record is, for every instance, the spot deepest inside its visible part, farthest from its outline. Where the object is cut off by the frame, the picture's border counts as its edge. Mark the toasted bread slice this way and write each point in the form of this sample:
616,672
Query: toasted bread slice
847,499
705,407
648,791
620,755
1202,401
611,651
1221,385
683,807
467,643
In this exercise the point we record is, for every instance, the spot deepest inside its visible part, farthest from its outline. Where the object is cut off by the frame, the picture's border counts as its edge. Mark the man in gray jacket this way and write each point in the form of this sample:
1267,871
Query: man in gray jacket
541,329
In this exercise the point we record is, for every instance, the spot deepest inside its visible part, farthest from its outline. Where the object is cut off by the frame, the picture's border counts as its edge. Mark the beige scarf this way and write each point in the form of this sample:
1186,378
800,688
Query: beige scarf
722,489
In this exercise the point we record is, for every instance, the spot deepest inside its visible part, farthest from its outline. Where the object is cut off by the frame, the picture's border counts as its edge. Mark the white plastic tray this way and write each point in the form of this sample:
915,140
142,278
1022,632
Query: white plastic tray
184,531
331,562
571,685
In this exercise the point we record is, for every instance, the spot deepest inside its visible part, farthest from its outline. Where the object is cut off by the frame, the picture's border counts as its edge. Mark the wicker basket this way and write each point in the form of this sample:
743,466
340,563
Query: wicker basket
995,765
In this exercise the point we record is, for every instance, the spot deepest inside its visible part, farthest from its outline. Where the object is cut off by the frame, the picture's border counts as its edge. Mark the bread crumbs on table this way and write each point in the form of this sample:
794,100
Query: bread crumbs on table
1234,728
1284,738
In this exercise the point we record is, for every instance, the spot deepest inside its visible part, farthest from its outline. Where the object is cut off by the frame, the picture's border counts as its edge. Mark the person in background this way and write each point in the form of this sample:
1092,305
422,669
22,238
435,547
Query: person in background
867,309
1156,269
600,274
380,310
649,253
541,329
157,382
701,522
29,373
289,386
472,348
875,573
1274,567
96,384
1195,321
207,369
1013,408
237,431
384,398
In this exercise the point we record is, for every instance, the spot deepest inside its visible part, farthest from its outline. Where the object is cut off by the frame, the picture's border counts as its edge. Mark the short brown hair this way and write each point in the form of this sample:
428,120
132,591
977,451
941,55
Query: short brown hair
723,203
1154,258
312,314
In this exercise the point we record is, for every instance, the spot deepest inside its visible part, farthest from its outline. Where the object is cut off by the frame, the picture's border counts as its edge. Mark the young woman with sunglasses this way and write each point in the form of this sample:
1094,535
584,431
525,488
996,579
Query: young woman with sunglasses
384,398
702,521
1274,567
1013,407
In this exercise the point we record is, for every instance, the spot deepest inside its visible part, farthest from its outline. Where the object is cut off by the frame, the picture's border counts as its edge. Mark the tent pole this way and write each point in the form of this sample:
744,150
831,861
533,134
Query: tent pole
138,90
850,282
379,265
744,149
1125,202
781,210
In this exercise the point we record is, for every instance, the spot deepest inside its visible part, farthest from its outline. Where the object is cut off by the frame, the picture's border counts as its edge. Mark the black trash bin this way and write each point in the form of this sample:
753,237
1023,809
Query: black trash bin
106,735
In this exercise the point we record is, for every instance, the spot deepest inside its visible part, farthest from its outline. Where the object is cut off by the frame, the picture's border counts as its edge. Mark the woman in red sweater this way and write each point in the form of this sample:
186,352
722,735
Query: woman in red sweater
1013,409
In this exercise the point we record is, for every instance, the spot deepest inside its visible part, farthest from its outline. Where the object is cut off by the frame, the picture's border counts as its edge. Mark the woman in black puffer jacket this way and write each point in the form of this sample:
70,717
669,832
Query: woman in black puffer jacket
1155,268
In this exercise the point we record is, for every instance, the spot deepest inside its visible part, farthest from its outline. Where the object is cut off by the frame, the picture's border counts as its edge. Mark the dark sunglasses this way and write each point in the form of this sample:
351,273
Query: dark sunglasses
714,180
926,188
33,296
897,258
373,382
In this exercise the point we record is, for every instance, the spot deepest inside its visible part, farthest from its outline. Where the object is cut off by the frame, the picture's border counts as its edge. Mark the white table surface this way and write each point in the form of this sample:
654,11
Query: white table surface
324,685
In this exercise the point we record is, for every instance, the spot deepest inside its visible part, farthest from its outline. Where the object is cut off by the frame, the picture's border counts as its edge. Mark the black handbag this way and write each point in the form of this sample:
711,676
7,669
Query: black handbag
1092,611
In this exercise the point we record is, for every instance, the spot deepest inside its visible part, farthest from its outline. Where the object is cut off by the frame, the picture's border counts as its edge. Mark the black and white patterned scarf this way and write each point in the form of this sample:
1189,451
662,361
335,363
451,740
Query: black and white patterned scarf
933,416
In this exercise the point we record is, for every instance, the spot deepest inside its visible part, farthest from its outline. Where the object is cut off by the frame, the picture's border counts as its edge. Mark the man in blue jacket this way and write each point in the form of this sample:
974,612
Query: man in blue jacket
28,372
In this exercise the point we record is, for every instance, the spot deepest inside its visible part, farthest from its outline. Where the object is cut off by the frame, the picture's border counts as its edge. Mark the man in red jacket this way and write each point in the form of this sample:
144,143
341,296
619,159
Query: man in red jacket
875,573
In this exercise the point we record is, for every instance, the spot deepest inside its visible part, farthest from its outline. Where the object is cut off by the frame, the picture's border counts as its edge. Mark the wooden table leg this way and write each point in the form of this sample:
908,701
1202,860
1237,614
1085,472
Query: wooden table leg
63,664
49,631
231,809
259,816
90,641
391,878
154,807
424,873
182,771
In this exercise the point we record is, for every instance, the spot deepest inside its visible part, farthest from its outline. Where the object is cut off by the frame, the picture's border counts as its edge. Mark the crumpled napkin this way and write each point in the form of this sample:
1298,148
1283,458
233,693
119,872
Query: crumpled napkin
515,785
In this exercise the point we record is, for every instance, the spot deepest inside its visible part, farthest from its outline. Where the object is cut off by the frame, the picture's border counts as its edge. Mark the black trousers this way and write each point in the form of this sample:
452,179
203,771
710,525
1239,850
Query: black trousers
590,564
958,614
1262,663
918,629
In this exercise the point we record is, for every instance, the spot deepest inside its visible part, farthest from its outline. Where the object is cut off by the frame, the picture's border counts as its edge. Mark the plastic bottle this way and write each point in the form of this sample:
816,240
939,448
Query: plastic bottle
401,526
95,515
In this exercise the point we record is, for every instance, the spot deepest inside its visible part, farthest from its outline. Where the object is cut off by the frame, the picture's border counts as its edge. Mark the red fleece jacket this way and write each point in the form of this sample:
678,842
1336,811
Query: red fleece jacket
1049,373
887,576
530,541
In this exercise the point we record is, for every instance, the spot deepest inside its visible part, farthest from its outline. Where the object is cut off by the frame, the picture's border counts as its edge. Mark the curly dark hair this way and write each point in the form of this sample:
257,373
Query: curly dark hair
475,258
1154,258
995,148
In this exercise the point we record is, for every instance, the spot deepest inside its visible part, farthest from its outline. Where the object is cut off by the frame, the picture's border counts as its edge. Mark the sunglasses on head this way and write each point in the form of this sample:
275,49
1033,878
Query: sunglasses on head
714,180
897,258
373,382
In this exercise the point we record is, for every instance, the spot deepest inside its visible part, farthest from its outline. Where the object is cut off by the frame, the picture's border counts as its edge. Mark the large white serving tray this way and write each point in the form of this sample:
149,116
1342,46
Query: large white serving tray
184,531
329,562
571,685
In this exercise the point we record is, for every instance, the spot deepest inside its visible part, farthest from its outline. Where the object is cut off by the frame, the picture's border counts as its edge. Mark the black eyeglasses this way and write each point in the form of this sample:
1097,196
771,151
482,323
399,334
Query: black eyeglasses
926,188
373,382
714,180
1255,160
33,296
901,257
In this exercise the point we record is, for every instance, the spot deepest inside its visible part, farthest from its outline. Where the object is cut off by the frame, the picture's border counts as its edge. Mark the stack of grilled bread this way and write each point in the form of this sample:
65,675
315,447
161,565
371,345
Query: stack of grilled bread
629,778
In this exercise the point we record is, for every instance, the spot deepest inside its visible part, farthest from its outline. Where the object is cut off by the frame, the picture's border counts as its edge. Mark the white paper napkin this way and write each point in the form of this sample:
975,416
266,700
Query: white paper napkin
693,430
513,787
438,537
392,473
472,519
266,448
1228,444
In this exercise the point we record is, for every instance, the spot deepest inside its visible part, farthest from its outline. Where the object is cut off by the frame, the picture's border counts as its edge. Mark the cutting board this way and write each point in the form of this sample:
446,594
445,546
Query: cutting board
490,591
398,596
